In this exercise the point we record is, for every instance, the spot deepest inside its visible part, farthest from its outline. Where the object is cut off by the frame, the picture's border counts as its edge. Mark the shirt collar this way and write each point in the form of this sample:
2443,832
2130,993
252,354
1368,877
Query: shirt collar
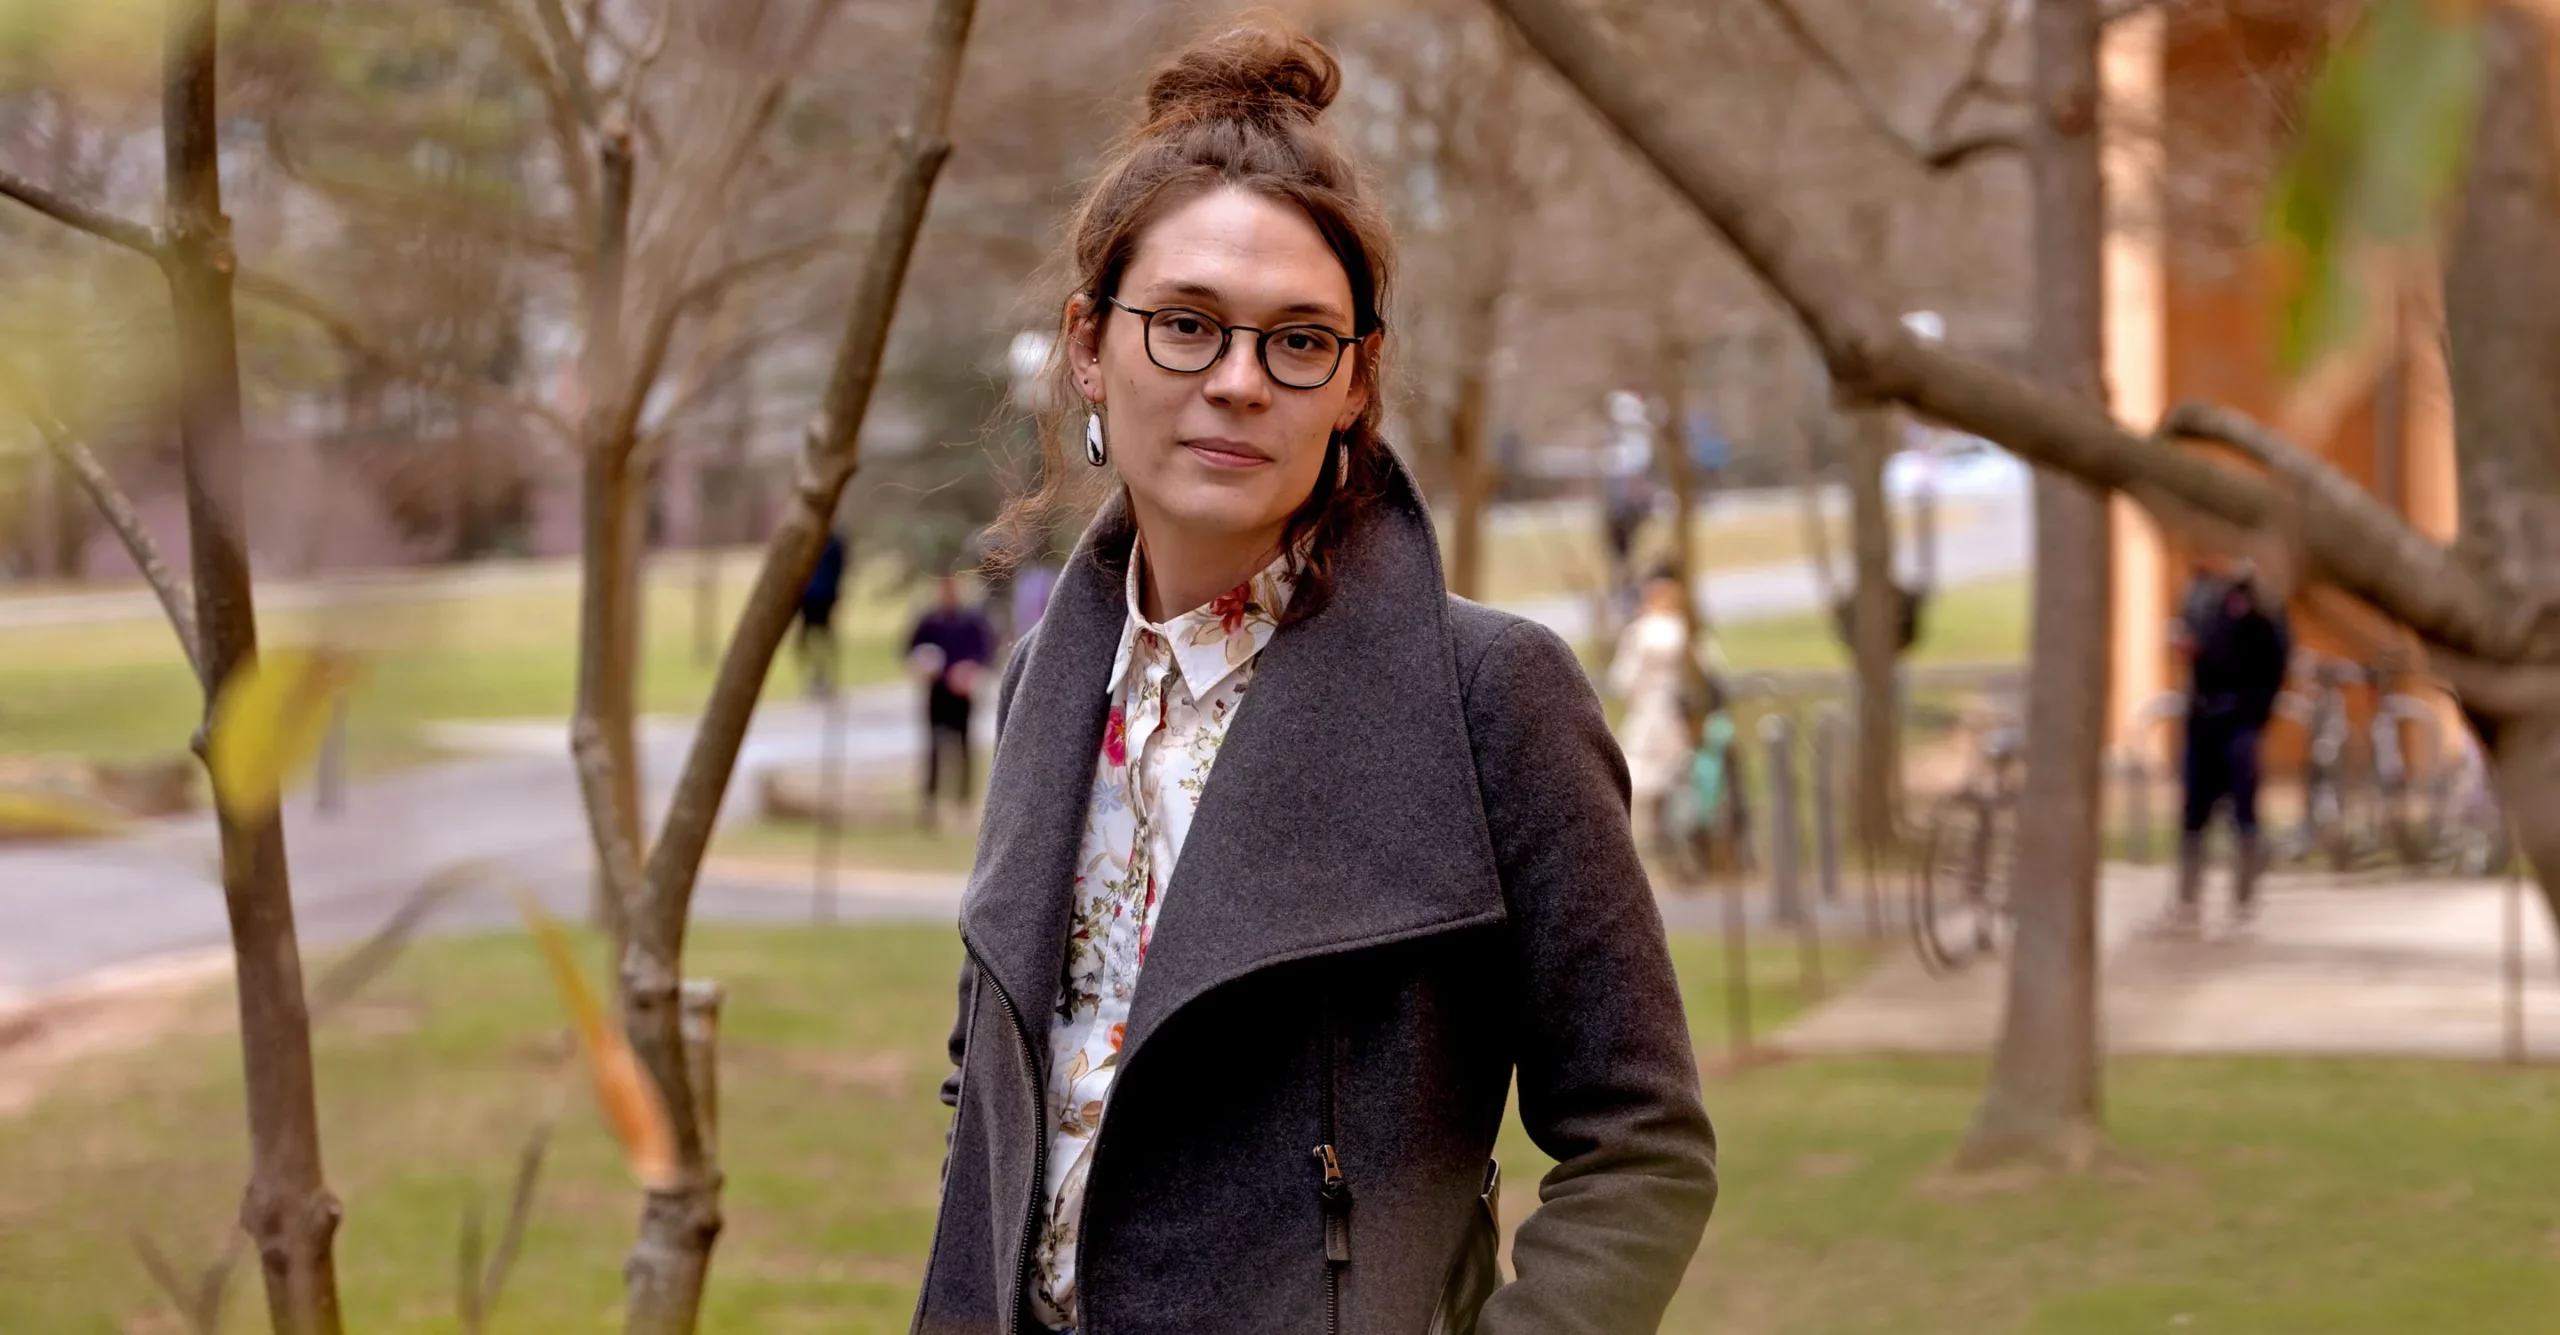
1211,641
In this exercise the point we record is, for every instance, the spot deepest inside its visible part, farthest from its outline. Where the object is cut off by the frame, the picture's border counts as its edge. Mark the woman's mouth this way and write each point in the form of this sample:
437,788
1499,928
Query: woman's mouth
1221,452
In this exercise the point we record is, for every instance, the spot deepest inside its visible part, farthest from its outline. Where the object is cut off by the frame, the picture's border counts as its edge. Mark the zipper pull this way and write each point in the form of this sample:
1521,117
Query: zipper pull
1336,1195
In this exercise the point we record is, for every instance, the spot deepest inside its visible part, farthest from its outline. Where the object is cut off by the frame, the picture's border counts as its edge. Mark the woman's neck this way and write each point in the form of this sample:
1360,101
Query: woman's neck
1180,571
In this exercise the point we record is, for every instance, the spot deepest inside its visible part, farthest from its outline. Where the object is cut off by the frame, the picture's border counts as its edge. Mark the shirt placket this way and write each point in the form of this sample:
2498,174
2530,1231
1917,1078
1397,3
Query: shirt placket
1146,722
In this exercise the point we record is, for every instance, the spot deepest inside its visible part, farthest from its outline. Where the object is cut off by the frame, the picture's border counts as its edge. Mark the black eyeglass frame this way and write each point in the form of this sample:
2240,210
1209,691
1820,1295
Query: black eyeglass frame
1226,339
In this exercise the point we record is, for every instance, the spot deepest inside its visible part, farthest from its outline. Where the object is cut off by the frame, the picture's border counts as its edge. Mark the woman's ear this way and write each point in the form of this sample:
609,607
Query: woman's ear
1084,347
1356,401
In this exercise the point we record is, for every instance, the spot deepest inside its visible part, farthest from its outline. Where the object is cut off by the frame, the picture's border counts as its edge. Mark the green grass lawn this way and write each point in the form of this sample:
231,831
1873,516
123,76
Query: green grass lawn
1974,623
119,689
888,844
1556,556
2283,1197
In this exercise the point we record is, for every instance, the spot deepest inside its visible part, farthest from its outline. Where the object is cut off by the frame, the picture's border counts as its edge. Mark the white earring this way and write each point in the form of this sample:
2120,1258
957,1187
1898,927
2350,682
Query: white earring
1341,461
1095,452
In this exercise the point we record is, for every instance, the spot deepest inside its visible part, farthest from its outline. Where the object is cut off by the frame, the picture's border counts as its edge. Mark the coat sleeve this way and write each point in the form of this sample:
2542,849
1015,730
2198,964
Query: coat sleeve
968,968
1608,1079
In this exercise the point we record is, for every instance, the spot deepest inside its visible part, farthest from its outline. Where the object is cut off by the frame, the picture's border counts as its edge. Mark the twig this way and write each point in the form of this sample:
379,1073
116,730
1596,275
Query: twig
1942,149
278,292
349,976
2125,9
568,131
199,1304
713,284
481,1284
144,241
570,56
118,510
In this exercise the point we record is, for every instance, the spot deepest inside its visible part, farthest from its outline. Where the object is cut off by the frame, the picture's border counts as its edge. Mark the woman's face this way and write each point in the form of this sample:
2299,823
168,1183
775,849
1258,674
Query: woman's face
1225,454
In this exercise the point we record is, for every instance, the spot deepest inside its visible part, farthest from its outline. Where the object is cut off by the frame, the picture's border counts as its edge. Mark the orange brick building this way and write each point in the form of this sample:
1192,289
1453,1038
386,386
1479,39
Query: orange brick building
2196,96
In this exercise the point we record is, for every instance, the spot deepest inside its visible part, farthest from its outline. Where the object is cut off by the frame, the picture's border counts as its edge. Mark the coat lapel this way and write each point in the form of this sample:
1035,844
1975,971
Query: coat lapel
1015,913
1342,811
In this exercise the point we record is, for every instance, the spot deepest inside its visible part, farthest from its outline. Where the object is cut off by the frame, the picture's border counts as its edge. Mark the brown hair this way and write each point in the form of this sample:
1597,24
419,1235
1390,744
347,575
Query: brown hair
1238,109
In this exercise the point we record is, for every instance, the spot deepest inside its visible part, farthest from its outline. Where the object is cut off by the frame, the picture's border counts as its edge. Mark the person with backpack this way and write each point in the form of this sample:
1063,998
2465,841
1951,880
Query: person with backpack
2233,635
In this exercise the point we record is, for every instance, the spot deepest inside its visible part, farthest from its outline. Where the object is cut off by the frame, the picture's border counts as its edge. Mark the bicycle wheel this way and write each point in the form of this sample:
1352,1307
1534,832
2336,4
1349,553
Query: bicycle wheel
1960,900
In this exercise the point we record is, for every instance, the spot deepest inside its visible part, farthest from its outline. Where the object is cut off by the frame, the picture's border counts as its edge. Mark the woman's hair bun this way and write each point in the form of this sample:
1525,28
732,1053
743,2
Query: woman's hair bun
1261,69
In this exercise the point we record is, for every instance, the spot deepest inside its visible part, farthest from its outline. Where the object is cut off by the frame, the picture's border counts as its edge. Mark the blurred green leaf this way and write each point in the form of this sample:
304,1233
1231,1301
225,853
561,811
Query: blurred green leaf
2379,153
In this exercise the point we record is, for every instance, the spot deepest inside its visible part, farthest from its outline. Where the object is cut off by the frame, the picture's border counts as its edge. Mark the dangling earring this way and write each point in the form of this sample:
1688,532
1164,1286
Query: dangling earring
1095,452
1341,461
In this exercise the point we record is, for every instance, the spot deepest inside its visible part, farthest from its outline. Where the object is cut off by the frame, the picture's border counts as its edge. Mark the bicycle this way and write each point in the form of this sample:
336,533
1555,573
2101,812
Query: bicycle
2351,814
2473,836
1960,904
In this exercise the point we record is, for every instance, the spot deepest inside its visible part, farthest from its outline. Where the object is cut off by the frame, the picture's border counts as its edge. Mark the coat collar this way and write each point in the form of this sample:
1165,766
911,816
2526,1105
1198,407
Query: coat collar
1343,811
1210,641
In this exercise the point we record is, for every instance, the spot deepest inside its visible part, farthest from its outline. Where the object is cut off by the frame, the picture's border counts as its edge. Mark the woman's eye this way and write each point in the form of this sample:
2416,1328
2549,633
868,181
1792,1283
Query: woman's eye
1187,326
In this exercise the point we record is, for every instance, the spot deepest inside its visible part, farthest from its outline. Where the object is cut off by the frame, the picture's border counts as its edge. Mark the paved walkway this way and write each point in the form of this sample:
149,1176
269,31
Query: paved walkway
2411,969
68,912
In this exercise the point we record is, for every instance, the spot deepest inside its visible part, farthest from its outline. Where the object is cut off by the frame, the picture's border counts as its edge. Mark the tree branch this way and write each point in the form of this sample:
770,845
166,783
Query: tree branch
2125,9
278,292
828,461
144,241
1941,149
559,103
570,56
1870,353
118,510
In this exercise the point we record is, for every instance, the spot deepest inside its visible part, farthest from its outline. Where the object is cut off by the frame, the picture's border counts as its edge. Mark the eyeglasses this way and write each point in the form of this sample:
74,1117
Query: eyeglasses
1187,342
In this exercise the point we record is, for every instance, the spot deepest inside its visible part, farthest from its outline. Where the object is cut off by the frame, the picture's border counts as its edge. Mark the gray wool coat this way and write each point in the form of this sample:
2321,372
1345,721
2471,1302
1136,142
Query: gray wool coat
1409,881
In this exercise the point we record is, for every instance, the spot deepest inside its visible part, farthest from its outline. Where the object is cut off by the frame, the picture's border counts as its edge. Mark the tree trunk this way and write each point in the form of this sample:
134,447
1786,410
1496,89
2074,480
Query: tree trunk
1875,642
2502,321
287,1210
1469,476
2043,1100
606,514
1671,452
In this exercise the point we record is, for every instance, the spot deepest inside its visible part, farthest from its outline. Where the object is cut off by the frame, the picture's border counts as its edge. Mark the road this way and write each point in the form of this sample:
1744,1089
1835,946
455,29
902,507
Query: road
72,911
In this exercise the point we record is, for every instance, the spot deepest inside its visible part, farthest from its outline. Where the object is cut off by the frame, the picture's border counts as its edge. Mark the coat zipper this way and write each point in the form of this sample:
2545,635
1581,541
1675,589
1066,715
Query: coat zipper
1333,1191
1039,1147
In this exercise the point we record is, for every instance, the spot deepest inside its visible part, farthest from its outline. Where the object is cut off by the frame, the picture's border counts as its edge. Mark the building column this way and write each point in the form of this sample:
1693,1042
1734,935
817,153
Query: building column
2131,69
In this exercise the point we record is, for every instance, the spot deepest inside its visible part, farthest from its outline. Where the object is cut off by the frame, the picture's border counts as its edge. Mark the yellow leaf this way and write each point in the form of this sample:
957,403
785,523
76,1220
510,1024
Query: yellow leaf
269,722
56,816
629,1098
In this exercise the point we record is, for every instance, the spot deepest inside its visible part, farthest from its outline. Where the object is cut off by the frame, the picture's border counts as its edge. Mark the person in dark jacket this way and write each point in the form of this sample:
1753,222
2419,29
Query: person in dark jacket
2238,649
1292,863
950,648
818,598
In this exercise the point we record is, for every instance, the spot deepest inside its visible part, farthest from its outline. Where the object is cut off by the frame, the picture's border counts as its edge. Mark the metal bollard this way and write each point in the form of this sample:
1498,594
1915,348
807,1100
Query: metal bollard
2137,807
1777,734
1830,733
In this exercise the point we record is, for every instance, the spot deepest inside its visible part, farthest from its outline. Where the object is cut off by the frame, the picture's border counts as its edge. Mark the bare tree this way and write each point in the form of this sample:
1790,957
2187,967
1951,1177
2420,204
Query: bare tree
681,1220
1879,607
2482,609
287,1212
2043,1099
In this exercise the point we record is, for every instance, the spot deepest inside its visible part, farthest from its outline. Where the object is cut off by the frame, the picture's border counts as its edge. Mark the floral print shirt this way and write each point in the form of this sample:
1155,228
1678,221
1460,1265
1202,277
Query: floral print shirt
1175,689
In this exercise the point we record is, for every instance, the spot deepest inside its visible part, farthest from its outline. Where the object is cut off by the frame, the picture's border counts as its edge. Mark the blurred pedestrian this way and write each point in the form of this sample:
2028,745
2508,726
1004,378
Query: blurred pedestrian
951,646
816,645
1359,847
1652,672
2234,638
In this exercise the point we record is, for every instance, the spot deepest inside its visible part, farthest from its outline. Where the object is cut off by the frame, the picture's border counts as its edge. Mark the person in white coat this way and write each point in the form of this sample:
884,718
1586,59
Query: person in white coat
1651,673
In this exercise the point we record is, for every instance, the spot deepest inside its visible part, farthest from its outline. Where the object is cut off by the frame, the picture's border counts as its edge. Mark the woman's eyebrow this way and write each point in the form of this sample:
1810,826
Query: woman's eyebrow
1201,292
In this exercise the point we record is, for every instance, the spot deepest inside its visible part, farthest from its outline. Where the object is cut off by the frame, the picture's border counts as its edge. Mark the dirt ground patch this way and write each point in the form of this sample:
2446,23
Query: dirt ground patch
48,1040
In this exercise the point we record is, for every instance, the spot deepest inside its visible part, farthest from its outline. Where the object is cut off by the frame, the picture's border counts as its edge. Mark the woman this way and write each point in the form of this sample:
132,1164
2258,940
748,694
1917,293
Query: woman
1231,1055
1651,672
